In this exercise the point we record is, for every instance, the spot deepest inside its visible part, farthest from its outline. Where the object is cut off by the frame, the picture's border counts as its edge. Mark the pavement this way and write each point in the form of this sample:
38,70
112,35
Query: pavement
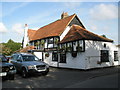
68,78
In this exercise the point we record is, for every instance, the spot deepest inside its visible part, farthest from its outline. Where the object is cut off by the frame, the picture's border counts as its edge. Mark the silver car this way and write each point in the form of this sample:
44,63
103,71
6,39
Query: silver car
27,64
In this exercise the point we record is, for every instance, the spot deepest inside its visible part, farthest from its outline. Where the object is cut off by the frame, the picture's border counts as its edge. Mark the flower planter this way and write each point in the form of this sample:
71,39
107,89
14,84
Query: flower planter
79,49
47,55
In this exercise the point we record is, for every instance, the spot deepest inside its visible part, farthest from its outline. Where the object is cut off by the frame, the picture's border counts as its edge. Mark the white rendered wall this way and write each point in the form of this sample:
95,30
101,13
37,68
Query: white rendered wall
48,60
92,53
64,33
71,62
85,60
38,54
91,56
74,62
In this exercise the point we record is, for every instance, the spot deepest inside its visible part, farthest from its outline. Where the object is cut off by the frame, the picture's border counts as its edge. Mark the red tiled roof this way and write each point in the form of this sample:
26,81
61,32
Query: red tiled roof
53,29
78,33
25,50
31,33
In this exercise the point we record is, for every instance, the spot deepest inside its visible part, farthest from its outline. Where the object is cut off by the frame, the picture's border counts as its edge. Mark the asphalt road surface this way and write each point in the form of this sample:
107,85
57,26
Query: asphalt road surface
67,78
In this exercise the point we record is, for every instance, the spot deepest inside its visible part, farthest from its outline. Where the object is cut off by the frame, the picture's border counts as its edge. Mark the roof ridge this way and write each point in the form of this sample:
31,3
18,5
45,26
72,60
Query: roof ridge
81,33
93,33
69,21
64,23
55,21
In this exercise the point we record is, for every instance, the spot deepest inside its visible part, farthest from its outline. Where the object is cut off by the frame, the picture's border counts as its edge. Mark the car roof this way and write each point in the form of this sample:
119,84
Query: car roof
24,53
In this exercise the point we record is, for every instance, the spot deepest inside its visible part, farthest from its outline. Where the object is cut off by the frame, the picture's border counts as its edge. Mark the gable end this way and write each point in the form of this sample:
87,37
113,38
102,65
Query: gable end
76,21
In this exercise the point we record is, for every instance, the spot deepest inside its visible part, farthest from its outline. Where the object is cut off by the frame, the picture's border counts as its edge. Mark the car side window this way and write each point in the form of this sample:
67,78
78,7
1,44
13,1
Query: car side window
19,57
14,57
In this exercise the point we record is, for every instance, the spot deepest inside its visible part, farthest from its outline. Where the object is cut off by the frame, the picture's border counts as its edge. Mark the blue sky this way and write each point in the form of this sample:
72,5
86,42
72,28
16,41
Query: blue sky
98,17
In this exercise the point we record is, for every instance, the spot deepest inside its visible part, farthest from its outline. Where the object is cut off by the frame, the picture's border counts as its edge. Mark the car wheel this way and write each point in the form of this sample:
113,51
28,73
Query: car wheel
46,72
11,77
24,73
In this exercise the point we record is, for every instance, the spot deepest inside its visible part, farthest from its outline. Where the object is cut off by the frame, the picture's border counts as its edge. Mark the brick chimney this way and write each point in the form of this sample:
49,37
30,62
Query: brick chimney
64,15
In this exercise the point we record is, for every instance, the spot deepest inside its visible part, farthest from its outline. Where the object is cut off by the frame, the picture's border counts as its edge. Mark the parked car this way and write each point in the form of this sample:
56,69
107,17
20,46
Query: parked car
8,57
27,64
7,70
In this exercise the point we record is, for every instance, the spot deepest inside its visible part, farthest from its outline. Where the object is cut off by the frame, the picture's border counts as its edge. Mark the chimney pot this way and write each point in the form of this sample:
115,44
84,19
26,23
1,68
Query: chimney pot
26,25
64,15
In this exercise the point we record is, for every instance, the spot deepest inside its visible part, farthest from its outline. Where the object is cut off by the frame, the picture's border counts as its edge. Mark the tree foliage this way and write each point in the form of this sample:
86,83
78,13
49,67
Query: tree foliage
9,47
5,50
103,35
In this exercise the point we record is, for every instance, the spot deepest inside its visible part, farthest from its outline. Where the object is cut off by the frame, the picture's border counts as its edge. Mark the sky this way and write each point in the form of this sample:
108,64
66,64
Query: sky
97,17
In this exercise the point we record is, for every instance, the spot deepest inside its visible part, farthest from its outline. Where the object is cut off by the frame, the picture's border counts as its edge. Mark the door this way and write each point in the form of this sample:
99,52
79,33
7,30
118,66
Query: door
19,62
104,56
14,59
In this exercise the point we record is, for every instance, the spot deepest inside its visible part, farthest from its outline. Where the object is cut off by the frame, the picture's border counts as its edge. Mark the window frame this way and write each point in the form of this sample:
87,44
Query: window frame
102,56
116,56
53,56
61,57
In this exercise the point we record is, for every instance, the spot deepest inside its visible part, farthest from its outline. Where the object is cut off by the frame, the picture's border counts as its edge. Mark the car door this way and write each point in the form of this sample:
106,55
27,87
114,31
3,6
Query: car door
19,62
14,59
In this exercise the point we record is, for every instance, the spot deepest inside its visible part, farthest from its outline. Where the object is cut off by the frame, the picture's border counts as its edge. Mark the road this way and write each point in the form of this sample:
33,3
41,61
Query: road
68,78
107,81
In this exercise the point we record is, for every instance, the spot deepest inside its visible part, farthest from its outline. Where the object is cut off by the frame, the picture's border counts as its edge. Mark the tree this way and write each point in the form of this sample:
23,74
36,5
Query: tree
5,50
103,35
10,46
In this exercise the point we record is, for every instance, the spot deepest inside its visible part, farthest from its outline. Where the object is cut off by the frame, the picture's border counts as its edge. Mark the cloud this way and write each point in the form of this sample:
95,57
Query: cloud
18,27
104,12
3,28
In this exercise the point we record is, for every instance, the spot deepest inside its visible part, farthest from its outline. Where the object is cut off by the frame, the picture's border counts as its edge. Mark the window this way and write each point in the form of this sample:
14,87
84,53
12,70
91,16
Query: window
80,46
74,46
56,40
50,41
104,45
30,58
14,57
62,57
54,56
104,56
115,55
19,57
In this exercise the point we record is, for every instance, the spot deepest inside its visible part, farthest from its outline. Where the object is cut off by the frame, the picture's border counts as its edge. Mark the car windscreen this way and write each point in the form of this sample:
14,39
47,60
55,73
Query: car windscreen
30,58
3,58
